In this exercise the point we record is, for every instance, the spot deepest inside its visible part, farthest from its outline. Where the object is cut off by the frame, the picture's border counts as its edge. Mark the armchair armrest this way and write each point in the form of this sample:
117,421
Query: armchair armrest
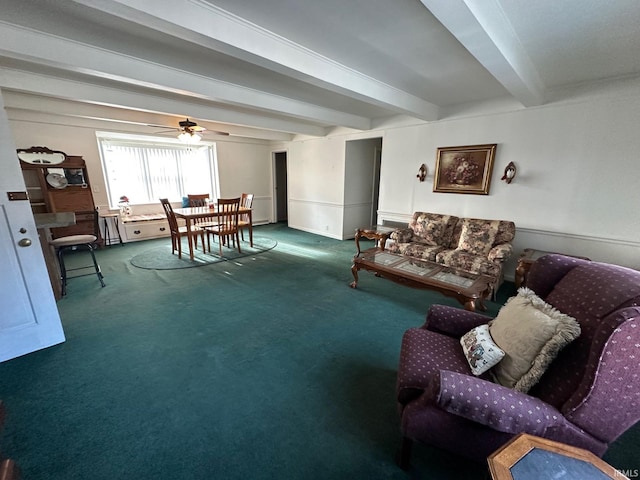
498,407
453,321
500,252
401,235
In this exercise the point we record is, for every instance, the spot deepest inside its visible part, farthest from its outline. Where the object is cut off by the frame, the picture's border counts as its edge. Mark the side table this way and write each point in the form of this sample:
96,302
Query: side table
527,457
379,233
109,237
528,256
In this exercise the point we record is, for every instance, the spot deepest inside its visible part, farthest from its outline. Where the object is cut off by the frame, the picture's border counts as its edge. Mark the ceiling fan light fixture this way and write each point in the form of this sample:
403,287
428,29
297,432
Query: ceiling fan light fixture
189,137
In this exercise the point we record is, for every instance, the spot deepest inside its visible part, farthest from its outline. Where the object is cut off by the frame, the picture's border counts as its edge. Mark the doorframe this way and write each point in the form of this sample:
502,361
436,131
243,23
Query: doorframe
274,191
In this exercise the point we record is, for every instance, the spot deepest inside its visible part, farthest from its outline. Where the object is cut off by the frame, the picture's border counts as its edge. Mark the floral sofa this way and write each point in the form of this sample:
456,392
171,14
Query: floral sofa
471,244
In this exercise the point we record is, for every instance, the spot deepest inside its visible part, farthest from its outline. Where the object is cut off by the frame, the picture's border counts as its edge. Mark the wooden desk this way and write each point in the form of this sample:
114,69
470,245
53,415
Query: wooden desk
191,214
44,223
527,457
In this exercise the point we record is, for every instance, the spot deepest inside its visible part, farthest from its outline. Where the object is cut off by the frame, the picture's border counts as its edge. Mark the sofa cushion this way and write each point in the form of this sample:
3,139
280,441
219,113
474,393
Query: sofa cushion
480,350
417,250
477,236
469,262
531,332
432,228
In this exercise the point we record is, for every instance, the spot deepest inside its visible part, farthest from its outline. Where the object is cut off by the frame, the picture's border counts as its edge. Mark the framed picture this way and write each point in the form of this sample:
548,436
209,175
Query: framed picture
464,169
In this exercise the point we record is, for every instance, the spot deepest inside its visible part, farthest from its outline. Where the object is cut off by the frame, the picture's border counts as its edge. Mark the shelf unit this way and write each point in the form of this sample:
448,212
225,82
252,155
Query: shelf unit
74,195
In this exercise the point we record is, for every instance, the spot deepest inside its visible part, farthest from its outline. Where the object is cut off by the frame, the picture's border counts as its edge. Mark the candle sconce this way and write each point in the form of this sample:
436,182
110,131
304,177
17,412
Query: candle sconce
509,172
422,173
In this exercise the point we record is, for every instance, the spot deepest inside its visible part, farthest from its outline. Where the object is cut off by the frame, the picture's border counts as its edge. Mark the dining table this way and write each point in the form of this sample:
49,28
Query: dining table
191,215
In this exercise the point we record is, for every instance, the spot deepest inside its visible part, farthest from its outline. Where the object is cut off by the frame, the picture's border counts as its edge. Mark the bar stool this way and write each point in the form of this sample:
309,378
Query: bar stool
76,242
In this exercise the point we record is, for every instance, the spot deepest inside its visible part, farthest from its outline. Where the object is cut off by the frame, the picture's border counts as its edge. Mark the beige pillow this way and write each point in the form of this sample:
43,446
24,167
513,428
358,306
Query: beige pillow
531,333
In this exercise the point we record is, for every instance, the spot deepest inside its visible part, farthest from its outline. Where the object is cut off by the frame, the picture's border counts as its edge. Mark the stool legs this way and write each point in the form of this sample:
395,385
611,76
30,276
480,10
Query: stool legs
63,268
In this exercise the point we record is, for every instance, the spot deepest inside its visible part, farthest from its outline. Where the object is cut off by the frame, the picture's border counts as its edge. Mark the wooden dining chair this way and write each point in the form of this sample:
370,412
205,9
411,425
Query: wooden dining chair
198,200
244,220
178,232
227,226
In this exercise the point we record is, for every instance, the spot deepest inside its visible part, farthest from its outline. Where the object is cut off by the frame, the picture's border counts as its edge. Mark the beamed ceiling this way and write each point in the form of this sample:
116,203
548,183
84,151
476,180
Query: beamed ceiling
274,69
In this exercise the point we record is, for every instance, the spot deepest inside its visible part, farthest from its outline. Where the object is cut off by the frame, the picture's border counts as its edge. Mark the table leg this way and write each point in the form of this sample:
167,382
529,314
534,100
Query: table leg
357,239
189,237
354,271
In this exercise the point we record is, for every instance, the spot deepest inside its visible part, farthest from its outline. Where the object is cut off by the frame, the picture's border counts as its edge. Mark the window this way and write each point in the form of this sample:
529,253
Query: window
145,169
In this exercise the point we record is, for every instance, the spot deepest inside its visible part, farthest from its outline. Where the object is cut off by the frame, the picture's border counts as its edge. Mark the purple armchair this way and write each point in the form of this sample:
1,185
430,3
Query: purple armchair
588,396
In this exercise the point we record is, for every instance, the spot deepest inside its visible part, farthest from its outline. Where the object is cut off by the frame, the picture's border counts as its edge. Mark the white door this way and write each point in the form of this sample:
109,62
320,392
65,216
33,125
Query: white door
29,318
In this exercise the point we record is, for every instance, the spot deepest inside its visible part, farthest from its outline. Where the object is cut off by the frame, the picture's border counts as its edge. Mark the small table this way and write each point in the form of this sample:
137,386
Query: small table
468,288
527,457
528,256
115,221
379,233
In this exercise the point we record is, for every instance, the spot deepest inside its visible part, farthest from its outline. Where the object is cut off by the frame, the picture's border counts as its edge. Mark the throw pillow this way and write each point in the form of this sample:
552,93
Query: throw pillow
185,202
480,350
531,332
477,236
429,228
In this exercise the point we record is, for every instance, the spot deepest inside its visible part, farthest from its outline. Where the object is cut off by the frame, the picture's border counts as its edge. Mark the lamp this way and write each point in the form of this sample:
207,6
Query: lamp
509,172
189,137
422,173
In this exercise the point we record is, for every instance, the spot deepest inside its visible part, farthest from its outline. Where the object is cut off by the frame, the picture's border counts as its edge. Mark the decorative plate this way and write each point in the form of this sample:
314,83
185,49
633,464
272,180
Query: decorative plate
57,181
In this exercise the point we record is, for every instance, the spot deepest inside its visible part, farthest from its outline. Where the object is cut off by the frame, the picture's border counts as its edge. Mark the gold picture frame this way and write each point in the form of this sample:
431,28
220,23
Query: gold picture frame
464,169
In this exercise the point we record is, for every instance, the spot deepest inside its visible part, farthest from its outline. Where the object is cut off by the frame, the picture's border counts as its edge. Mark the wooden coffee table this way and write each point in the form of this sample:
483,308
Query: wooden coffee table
469,289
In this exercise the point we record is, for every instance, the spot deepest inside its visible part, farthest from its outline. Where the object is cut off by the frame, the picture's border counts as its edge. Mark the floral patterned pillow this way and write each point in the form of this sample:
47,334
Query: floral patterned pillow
480,350
477,236
430,228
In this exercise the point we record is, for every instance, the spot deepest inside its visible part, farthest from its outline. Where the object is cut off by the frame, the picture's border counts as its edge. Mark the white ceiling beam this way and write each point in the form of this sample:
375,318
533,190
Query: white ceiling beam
25,44
86,93
118,117
210,26
485,31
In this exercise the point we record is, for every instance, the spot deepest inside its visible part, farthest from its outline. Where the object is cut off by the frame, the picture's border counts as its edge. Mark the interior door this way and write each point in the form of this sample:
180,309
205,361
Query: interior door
281,186
30,319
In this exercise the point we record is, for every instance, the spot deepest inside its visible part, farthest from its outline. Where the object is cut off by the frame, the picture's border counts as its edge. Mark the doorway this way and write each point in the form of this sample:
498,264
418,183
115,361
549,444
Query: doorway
280,186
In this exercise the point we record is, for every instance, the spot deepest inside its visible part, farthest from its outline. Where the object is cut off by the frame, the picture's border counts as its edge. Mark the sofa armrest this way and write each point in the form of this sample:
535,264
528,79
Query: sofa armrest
500,252
498,407
401,235
453,321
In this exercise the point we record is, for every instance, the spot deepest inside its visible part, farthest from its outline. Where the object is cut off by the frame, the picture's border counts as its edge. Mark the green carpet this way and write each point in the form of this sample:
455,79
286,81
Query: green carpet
162,258
265,367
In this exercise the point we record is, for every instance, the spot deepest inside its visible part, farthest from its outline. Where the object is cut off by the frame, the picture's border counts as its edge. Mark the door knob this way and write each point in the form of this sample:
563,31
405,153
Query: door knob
25,242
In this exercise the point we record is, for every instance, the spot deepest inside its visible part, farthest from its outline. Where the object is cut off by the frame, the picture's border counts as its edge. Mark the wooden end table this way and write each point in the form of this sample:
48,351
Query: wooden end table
527,457
379,233
528,256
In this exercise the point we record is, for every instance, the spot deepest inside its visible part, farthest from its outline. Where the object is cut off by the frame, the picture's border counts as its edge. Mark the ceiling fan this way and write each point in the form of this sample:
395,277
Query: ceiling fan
190,131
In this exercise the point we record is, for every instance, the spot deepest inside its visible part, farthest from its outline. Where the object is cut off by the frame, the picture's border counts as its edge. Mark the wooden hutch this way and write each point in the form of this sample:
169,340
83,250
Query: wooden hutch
57,182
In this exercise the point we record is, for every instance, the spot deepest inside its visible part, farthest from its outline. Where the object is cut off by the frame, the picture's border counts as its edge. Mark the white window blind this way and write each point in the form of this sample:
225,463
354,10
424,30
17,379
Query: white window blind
144,171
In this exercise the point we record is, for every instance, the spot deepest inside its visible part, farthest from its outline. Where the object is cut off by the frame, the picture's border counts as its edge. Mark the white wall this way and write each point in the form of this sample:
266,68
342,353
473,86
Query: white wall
315,179
358,184
244,165
576,189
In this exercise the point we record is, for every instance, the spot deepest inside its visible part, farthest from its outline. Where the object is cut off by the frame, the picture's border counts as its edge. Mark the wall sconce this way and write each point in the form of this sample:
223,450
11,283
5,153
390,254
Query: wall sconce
422,173
509,172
